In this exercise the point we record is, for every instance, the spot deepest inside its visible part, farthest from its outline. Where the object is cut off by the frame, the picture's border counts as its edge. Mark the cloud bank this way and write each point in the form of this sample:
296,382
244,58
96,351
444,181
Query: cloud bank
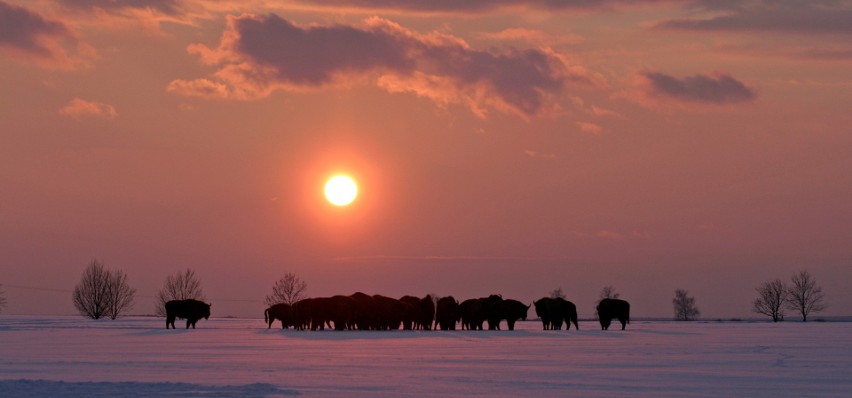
716,88
469,6
259,54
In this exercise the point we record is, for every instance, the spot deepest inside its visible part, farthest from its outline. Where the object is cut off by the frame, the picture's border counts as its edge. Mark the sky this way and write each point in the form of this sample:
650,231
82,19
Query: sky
509,147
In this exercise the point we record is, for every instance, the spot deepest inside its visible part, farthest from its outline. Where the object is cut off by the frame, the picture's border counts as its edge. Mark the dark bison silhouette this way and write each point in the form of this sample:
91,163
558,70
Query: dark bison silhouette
491,310
511,311
426,313
319,312
420,314
555,311
282,312
388,312
471,314
363,312
191,310
447,313
475,312
609,309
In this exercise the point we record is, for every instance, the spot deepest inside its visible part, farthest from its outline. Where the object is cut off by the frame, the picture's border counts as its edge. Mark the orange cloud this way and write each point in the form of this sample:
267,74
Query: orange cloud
534,36
79,109
472,6
590,128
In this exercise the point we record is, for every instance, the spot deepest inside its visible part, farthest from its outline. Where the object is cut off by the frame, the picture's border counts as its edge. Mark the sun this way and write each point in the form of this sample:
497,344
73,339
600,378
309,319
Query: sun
341,190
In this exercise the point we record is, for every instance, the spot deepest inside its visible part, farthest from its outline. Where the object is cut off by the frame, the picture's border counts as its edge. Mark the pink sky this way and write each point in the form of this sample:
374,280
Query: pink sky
500,147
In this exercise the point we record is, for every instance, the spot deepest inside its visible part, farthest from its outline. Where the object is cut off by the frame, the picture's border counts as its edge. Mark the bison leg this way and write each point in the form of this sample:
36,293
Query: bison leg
623,323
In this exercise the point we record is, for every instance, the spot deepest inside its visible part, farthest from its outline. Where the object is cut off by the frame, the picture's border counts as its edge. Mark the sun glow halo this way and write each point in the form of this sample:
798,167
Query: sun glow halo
341,190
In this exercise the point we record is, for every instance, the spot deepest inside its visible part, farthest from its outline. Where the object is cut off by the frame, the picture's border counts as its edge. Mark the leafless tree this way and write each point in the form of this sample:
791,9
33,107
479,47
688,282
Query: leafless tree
608,292
119,294
289,289
102,292
557,293
180,286
684,306
771,299
804,296
2,298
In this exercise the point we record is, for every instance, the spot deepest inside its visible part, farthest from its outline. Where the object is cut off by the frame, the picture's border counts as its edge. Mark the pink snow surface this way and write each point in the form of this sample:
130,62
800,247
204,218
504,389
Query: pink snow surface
71,356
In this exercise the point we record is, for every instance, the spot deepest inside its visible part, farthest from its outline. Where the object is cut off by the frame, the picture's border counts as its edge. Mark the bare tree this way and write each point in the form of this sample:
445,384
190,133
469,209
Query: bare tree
771,298
804,296
119,294
2,298
608,292
288,290
102,292
557,293
684,306
180,286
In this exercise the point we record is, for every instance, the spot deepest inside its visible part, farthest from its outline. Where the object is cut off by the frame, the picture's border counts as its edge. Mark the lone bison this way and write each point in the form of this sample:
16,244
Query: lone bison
609,309
191,310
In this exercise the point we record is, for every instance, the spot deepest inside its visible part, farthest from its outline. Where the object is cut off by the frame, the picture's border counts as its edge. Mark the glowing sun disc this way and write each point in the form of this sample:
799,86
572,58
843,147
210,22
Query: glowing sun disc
341,190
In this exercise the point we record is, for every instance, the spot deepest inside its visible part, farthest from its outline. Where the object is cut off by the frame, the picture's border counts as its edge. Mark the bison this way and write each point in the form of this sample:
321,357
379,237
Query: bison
554,311
609,309
471,314
512,310
447,313
389,312
491,310
191,310
282,312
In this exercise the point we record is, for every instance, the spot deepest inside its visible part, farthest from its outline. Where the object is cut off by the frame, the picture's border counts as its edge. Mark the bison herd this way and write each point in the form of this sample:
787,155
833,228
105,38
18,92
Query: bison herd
360,311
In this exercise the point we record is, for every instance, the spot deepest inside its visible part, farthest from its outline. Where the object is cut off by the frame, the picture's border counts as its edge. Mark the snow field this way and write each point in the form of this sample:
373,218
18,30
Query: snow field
71,356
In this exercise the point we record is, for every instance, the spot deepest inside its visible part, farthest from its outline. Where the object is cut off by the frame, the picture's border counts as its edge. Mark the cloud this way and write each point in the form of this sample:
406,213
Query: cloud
133,14
429,258
163,6
717,88
534,36
611,235
471,6
803,17
79,109
588,127
30,37
260,54
540,155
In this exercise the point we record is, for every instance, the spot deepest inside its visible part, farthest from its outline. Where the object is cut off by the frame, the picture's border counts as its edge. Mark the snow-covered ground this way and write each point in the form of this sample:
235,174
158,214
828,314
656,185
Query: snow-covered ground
71,356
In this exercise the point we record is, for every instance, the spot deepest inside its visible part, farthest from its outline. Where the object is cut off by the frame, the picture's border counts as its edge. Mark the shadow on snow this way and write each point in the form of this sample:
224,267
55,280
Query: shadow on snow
48,388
